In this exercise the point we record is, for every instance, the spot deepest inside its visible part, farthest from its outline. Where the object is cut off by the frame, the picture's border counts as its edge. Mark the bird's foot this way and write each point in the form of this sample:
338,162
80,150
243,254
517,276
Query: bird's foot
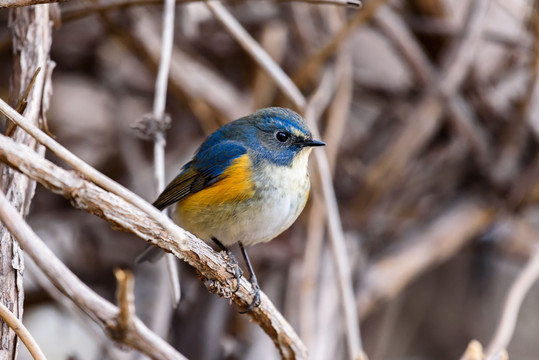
256,296
232,267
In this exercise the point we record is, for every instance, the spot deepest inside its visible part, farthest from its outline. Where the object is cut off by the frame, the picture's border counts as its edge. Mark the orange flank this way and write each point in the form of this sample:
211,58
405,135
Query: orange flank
235,185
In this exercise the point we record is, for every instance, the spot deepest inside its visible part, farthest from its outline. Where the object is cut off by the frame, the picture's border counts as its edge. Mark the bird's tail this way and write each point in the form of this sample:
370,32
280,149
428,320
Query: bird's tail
150,253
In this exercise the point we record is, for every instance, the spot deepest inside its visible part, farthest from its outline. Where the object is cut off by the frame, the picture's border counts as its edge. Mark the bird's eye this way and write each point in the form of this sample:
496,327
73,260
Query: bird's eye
282,136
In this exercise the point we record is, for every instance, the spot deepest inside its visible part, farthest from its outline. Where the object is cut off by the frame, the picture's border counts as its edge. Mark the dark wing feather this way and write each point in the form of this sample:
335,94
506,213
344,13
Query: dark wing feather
204,170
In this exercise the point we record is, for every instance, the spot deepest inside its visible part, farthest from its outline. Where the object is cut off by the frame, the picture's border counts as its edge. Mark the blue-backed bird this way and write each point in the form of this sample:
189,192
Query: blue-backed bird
246,184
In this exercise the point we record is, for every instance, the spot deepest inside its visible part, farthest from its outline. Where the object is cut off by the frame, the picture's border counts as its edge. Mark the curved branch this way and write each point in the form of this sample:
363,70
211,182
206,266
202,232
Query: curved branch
520,287
21,331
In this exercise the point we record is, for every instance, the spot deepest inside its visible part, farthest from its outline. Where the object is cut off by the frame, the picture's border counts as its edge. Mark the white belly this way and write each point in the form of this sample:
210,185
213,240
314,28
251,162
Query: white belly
280,195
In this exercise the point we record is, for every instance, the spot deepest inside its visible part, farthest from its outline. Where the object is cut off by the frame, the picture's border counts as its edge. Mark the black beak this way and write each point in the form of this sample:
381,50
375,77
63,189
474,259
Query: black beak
313,143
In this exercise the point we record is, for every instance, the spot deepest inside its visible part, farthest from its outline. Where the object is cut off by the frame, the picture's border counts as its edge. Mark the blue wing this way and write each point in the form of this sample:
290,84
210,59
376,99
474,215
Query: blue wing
204,170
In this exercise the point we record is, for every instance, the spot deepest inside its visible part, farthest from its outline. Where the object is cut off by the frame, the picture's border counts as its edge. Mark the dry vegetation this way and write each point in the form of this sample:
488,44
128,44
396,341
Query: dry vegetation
427,238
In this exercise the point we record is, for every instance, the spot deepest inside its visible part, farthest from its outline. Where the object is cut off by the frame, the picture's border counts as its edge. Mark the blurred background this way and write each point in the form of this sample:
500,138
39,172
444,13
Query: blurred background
430,110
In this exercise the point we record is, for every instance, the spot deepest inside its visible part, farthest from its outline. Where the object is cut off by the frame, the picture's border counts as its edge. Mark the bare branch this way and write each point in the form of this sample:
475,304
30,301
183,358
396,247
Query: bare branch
210,265
314,62
520,287
21,3
159,137
138,336
257,52
436,243
32,38
111,4
21,331
125,298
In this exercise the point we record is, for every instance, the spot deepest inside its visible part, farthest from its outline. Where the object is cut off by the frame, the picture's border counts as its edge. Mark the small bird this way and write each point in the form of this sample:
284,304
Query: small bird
246,184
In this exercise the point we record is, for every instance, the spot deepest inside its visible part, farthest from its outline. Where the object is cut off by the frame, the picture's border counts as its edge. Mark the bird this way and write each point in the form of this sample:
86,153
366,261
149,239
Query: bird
247,183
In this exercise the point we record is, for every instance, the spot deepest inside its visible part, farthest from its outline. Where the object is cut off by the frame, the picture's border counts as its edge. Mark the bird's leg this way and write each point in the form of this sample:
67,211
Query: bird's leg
254,282
232,267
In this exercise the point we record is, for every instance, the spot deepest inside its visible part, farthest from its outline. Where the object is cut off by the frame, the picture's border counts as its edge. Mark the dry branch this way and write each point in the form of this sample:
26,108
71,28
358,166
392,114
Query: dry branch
311,67
204,88
105,314
126,300
210,265
31,45
421,123
513,302
82,8
22,3
439,241
11,320
159,116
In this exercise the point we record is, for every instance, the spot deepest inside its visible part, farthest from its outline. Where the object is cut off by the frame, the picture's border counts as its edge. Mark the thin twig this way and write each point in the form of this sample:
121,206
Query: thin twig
520,287
21,3
341,259
159,137
123,3
474,351
421,123
314,62
21,331
125,298
434,244
257,52
315,232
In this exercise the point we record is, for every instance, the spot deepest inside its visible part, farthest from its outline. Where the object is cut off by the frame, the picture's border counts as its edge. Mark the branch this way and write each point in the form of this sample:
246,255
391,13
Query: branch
421,123
310,67
21,331
121,214
189,77
21,3
160,117
257,52
112,4
439,241
31,34
125,298
519,289
286,85
104,313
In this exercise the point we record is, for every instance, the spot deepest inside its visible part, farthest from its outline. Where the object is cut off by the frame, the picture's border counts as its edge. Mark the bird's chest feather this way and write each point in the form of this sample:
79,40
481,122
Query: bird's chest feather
280,196
277,197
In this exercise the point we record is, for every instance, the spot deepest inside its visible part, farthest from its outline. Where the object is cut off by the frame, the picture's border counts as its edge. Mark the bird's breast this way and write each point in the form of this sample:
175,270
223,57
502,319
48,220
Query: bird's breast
277,195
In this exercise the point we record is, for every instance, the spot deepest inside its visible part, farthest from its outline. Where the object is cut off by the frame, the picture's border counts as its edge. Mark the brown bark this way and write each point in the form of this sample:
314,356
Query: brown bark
31,44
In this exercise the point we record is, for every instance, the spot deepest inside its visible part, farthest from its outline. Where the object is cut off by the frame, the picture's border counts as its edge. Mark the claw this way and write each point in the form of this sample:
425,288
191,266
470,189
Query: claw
233,268
256,297
254,283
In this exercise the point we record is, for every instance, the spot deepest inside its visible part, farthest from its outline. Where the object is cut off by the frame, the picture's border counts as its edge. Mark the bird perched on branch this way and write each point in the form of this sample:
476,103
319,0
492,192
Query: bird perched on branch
247,183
